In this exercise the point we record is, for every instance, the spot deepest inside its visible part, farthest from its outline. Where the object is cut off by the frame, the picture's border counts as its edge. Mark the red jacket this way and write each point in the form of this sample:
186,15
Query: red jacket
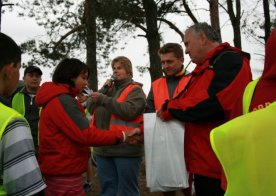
64,132
207,103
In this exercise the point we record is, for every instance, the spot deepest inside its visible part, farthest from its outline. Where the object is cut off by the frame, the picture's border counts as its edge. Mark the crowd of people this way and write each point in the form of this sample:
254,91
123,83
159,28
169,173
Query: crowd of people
47,131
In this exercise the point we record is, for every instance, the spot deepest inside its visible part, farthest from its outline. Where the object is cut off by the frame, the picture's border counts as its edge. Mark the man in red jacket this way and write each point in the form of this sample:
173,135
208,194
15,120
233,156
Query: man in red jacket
221,74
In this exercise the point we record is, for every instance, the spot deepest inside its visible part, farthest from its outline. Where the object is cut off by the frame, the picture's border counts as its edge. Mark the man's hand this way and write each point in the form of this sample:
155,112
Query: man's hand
164,115
134,136
160,114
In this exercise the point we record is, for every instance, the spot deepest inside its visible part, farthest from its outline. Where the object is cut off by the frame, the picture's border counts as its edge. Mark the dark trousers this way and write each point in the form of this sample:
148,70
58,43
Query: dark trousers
205,186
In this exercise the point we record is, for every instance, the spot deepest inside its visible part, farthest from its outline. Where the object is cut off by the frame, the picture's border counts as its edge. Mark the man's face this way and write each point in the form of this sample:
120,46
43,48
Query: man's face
171,65
193,46
32,80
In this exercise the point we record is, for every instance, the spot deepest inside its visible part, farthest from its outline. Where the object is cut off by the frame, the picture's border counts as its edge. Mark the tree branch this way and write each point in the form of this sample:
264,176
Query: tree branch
189,12
141,27
78,28
172,26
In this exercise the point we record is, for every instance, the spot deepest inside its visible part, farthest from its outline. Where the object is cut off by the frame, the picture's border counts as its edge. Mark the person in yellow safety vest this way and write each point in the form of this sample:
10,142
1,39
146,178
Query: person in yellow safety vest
245,147
258,94
172,84
119,105
23,100
19,171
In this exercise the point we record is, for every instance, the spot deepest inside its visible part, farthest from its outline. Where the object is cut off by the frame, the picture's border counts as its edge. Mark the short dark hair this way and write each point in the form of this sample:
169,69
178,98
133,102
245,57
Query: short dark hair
205,28
172,47
9,51
68,69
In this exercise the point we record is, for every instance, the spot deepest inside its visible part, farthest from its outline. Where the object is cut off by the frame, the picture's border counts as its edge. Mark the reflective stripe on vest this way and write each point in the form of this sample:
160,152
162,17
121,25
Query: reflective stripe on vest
116,123
7,115
245,146
161,93
248,94
18,103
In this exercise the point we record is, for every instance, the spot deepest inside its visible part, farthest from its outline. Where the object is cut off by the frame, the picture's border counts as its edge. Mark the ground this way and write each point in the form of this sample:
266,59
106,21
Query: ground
144,190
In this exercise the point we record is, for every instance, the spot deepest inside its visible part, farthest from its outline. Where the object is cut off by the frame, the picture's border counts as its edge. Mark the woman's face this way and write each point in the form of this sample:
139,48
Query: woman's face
119,71
81,81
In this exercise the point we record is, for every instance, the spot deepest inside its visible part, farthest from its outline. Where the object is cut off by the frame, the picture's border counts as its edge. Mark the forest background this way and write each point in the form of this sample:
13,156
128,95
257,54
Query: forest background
96,31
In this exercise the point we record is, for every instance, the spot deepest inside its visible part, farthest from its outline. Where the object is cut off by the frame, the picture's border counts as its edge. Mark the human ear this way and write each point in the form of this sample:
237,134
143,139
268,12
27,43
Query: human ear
203,38
8,70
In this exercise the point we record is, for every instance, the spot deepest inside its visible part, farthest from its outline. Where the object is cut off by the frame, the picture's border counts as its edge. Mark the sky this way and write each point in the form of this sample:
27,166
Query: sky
22,29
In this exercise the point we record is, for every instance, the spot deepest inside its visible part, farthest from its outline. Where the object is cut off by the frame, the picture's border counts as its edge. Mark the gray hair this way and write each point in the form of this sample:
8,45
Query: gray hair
205,28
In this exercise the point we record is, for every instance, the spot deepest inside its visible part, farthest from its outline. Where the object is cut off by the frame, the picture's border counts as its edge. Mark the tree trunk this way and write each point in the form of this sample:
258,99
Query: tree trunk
235,21
267,24
1,4
153,38
214,16
91,60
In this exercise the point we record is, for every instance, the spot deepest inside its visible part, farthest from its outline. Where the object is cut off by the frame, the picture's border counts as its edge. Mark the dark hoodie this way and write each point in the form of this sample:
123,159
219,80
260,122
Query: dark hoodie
265,91
64,132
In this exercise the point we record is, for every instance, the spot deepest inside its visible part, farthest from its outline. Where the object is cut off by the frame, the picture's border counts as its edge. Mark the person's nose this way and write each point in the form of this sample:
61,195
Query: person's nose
35,78
187,51
86,82
115,71
164,65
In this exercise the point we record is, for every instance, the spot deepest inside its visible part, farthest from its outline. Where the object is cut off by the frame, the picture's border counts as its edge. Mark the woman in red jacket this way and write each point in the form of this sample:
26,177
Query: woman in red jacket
65,135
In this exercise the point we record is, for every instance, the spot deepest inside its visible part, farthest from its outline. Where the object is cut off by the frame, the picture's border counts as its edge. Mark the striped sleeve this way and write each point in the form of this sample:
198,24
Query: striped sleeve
20,171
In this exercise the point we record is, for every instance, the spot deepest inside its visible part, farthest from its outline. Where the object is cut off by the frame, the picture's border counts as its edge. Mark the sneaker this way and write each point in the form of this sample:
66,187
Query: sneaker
87,186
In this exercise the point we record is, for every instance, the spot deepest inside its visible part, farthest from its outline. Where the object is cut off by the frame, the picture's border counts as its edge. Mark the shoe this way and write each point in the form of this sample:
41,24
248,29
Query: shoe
87,186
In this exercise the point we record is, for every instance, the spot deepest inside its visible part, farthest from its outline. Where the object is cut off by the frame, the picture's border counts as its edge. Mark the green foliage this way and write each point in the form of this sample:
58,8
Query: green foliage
64,24
128,11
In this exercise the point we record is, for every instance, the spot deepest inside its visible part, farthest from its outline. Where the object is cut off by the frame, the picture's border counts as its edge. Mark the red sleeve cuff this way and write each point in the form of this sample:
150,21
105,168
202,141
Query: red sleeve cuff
166,115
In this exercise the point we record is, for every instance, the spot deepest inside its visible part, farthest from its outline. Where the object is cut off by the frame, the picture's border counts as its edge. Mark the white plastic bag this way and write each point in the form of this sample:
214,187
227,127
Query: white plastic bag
164,154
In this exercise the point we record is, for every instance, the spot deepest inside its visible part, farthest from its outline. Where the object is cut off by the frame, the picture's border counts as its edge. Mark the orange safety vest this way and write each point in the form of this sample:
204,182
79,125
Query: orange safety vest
117,123
160,92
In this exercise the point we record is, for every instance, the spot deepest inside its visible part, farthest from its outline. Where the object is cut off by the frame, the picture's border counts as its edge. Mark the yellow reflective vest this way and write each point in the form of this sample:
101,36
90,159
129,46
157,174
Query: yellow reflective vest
6,115
246,146
248,94
18,103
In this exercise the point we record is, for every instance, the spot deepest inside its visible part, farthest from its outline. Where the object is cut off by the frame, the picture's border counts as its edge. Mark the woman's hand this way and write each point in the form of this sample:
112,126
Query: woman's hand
95,96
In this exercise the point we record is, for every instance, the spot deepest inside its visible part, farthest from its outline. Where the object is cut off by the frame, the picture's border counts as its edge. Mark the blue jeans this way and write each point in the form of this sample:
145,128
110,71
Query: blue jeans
118,176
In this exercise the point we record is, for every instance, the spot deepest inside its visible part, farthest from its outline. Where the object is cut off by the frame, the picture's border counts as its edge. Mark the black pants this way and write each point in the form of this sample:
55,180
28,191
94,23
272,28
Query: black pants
205,186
